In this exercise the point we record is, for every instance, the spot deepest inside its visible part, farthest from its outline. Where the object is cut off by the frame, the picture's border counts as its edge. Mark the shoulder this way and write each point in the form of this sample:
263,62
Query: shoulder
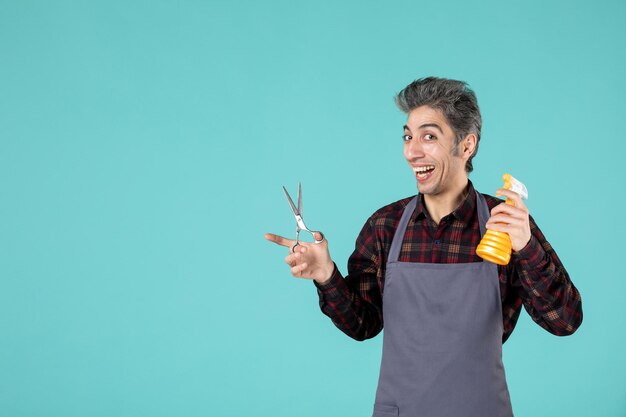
395,208
381,225
491,200
390,214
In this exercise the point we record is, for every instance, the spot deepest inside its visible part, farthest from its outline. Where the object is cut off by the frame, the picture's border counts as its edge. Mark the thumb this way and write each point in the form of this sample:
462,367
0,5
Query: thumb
318,236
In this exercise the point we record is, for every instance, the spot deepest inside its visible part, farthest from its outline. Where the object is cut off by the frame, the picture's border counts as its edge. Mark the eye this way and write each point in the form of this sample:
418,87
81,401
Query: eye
429,138
406,138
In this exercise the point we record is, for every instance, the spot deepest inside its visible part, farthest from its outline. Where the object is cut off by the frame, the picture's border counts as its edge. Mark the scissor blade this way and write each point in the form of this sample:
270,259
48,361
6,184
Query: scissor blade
293,207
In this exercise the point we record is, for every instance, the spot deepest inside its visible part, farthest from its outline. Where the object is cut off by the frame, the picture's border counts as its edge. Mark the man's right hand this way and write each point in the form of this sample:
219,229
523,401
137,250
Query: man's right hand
310,260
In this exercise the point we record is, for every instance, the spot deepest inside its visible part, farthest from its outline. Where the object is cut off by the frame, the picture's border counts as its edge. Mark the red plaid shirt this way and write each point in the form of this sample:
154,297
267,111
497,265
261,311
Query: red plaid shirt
535,277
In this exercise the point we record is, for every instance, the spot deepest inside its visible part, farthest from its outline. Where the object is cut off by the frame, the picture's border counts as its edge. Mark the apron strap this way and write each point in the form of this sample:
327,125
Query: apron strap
398,237
483,212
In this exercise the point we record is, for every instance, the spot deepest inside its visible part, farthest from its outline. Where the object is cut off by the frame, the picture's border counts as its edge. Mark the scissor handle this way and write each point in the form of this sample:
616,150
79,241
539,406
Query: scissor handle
293,248
318,241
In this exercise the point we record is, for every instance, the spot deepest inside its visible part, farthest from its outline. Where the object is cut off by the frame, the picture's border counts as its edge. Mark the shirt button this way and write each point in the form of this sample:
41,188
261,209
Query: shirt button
437,242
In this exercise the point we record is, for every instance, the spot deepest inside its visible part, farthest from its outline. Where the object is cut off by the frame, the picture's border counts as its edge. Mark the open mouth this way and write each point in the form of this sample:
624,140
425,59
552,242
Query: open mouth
423,172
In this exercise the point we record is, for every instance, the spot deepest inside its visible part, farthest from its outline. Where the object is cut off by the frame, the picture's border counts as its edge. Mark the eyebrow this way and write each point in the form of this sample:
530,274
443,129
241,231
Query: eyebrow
435,125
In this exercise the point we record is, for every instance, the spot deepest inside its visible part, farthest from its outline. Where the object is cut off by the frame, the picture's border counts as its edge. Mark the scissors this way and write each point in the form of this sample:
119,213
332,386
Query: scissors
297,212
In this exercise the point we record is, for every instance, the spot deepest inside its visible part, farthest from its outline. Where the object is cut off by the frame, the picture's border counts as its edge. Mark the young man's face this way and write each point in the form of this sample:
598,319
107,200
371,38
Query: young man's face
430,150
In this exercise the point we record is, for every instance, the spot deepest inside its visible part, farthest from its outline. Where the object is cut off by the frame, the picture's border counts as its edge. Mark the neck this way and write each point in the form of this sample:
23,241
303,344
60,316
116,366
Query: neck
440,205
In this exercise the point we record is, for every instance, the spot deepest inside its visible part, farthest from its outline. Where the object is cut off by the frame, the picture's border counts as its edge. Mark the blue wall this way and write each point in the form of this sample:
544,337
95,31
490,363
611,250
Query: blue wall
143,145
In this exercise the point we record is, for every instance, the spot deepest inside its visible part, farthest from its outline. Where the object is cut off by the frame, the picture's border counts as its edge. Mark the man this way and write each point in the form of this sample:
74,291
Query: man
446,311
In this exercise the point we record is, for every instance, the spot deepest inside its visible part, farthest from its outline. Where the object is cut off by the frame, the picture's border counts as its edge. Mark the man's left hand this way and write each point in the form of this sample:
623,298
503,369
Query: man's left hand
513,220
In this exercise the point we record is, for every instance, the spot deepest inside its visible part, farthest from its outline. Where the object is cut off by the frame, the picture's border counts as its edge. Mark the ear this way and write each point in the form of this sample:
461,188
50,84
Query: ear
468,145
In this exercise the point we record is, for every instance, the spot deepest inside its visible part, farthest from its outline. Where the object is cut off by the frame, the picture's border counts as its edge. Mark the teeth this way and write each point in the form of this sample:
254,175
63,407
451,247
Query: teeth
424,169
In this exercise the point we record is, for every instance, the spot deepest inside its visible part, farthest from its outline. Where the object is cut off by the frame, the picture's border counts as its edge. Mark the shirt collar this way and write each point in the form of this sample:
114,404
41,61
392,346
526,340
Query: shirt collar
463,212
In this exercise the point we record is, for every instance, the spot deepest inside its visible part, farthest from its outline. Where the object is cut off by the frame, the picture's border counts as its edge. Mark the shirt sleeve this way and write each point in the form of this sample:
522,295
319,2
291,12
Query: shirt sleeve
354,303
545,287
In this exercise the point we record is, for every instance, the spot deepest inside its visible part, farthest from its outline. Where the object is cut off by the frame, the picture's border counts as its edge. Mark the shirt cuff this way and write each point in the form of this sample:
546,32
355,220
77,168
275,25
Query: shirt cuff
531,254
330,289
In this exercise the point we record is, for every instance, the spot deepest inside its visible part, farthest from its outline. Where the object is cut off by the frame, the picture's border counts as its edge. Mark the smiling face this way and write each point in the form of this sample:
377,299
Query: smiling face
430,149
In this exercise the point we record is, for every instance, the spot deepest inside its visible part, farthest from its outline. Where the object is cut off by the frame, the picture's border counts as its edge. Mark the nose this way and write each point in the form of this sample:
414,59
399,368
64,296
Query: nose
413,148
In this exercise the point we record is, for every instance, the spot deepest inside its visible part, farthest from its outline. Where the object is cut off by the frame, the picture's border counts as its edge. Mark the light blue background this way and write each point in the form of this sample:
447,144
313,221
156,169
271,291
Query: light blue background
143,146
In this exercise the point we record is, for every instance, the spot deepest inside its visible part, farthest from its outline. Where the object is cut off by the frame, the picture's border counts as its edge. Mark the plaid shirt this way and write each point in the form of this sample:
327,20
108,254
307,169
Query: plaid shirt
535,276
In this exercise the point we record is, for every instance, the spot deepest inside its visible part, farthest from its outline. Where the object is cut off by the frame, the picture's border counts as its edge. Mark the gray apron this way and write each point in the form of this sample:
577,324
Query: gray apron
442,345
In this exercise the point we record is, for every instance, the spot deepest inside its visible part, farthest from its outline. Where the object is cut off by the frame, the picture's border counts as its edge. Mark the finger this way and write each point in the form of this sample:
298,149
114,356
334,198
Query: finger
279,240
500,227
291,259
504,220
503,192
297,270
508,215
319,236
510,210
517,199
507,218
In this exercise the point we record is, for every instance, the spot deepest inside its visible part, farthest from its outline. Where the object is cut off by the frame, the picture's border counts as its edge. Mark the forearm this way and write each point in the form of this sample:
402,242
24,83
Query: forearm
352,313
549,295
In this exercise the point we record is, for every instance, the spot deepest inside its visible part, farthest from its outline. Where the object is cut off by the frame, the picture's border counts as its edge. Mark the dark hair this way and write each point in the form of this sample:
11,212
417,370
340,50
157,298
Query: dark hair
453,98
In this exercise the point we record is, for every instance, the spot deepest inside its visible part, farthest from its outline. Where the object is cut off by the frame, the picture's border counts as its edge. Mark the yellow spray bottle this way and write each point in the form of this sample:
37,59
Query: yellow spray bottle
496,246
